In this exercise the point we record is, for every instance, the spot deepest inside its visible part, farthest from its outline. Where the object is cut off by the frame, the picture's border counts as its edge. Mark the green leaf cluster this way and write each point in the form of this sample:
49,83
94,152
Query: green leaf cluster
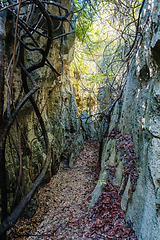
105,30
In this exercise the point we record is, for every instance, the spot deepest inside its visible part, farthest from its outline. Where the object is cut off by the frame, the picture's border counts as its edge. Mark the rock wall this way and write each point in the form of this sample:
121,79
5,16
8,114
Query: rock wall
131,152
56,103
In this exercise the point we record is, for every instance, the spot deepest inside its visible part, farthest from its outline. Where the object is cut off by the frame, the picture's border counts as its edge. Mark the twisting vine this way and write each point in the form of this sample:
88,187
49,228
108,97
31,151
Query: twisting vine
24,24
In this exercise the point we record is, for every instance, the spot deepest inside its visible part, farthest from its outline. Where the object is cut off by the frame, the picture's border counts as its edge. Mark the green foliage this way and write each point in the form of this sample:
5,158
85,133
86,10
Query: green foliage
105,31
97,78
101,182
85,16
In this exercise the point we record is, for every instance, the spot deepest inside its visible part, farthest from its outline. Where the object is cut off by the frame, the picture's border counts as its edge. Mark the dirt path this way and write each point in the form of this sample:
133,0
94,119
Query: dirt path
64,202
63,209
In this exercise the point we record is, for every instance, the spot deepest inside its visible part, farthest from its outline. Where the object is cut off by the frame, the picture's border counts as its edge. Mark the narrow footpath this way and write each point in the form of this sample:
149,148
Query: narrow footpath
63,206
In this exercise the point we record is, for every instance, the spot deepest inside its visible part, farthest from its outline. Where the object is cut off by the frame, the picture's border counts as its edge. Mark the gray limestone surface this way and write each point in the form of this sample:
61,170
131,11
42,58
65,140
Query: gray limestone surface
140,117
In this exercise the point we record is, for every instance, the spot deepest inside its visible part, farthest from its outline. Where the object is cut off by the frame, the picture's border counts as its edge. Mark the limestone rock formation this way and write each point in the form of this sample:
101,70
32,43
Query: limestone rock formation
138,125
89,127
56,102
76,147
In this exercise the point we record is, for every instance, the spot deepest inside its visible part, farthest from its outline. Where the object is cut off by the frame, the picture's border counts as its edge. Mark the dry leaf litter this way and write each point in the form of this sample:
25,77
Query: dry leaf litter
63,206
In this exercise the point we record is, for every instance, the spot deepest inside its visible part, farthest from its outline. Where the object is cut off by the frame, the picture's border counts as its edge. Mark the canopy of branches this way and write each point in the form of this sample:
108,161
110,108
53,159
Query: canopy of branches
105,33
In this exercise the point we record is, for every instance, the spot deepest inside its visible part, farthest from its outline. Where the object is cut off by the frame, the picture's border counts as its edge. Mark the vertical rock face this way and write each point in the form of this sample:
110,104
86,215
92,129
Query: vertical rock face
56,102
141,118
139,122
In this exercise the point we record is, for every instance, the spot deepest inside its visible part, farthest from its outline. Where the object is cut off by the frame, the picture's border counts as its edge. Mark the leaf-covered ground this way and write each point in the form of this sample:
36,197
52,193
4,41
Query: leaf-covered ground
63,207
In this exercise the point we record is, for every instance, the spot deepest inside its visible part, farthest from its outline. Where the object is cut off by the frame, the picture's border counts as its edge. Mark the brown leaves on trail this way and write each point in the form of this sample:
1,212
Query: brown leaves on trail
66,199
107,218
124,145
112,170
24,226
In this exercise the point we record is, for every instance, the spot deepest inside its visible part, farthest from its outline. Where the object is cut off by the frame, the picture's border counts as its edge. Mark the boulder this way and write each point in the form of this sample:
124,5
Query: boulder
75,148
88,126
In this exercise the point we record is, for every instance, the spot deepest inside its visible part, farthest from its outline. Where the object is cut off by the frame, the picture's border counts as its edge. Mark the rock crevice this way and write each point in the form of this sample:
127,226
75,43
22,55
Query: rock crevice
139,119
